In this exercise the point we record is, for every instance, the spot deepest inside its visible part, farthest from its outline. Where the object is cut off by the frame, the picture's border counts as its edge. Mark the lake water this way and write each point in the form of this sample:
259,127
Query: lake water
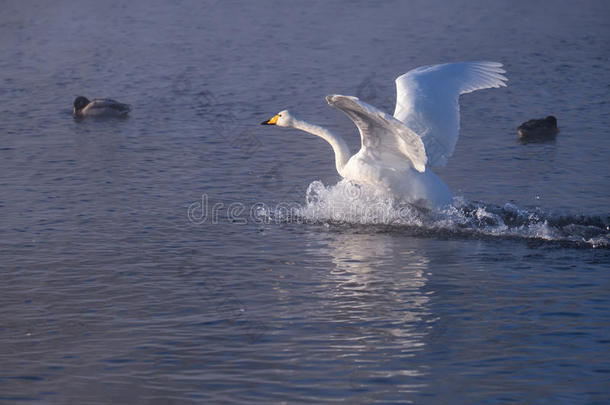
151,260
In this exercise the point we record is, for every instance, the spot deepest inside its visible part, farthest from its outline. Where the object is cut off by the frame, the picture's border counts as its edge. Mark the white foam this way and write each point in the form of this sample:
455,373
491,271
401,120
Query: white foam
350,203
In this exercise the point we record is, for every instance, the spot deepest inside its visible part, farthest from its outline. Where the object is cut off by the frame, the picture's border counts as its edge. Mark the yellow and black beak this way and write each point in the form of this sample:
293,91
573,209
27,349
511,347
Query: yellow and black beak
272,121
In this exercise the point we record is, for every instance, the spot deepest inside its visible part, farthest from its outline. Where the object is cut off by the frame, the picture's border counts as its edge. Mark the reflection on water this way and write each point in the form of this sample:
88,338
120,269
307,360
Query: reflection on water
108,295
375,289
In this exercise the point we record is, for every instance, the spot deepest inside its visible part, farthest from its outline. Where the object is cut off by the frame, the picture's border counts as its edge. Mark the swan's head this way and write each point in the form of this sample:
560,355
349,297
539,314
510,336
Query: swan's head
79,103
281,119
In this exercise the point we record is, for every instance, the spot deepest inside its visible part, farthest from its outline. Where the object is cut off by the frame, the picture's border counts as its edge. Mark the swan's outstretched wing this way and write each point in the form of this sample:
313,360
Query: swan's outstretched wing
427,101
382,132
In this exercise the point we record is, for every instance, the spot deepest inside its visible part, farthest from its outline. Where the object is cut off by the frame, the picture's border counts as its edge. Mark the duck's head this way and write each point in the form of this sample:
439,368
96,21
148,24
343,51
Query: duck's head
551,120
79,103
282,119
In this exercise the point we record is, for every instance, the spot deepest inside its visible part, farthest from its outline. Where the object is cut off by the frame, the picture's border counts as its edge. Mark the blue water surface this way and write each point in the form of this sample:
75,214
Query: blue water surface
148,259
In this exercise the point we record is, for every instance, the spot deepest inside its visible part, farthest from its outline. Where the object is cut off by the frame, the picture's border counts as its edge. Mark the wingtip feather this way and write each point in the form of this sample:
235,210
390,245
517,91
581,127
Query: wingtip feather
333,99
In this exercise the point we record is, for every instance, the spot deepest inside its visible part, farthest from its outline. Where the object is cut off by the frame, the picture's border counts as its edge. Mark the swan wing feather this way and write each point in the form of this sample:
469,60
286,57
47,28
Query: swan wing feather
381,132
427,101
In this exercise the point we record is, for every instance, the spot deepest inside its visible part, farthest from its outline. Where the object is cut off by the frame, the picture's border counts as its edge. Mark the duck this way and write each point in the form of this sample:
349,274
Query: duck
83,107
538,129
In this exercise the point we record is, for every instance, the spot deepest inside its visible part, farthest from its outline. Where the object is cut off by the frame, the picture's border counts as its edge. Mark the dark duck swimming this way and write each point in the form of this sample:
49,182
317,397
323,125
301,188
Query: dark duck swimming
99,107
541,129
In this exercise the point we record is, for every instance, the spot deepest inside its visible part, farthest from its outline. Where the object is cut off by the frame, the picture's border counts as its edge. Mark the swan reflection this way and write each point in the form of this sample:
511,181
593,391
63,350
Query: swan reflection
375,293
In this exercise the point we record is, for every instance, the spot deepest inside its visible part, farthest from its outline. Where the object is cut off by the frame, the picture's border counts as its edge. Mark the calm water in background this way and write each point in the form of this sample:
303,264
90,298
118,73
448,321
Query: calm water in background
109,292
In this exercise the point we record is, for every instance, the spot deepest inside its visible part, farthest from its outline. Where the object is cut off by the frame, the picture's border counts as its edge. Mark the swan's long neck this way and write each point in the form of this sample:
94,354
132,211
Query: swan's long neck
342,152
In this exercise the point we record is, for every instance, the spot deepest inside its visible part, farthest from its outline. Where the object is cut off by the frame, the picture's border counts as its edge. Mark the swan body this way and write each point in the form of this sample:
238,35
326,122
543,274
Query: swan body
396,177
99,107
397,150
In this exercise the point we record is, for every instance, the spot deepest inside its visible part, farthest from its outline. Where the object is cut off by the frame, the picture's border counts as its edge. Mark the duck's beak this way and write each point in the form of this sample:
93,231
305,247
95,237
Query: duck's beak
272,121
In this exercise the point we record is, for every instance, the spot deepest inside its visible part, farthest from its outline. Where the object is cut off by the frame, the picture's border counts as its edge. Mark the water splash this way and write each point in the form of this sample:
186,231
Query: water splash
347,203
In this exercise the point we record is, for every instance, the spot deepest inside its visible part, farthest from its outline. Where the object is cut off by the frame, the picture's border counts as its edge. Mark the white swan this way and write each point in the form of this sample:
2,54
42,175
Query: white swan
396,150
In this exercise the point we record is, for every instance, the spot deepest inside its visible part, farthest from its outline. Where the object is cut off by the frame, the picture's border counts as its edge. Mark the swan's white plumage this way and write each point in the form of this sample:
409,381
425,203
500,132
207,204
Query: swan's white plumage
381,132
423,131
427,101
